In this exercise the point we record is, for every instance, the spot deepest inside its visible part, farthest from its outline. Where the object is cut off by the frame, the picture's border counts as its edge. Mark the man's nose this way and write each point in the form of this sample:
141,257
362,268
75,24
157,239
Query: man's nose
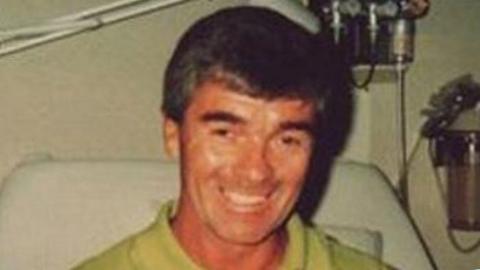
256,165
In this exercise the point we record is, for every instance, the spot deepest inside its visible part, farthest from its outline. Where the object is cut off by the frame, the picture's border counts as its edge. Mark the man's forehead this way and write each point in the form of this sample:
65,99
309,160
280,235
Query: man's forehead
216,103
220,91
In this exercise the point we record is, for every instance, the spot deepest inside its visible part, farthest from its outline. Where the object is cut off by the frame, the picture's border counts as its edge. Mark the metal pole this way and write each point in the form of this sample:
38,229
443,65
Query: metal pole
68,21
402,132
100,22
140,10
37,30
98,10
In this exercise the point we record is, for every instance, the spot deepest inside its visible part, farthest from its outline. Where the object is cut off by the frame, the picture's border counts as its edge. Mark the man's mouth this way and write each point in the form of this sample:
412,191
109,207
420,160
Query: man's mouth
244,199
244,202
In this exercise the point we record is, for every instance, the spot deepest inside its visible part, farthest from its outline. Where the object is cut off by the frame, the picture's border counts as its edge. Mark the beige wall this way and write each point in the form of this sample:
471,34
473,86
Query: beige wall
96,95
93,95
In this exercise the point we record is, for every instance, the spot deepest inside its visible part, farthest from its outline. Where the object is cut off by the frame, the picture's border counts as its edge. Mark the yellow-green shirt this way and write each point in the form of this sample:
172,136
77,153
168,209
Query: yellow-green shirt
156,248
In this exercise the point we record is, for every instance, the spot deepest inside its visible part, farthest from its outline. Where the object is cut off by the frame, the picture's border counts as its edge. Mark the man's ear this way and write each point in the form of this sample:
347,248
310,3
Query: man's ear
171,137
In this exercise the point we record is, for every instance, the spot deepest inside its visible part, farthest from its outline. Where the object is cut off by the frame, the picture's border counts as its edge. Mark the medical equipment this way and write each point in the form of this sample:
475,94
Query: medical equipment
453,130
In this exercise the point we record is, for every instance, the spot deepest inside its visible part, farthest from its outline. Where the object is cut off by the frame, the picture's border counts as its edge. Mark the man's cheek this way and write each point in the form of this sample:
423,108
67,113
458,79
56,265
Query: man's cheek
219,153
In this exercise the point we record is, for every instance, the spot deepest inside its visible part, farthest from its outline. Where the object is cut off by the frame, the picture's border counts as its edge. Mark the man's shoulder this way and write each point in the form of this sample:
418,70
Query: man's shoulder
116,257
344,257
347,258
124,255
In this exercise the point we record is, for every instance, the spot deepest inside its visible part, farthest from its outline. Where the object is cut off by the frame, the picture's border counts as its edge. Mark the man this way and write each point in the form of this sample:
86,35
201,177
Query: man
248,97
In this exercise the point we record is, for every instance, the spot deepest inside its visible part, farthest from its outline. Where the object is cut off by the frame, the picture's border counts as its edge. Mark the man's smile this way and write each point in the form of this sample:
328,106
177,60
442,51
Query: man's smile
245,202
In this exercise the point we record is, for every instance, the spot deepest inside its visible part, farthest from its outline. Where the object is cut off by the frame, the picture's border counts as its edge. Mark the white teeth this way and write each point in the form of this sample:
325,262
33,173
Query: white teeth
243,199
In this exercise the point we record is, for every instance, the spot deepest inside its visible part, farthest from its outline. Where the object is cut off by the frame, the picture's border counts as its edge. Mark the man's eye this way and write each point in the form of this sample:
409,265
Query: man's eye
297,140
221,132
291,141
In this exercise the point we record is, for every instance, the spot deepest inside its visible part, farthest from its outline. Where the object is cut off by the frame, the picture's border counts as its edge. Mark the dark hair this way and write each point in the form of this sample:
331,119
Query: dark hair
256,51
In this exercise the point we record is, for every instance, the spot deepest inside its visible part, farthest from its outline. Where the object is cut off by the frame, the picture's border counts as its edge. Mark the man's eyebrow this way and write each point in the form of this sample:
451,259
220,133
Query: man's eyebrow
221,116
298,125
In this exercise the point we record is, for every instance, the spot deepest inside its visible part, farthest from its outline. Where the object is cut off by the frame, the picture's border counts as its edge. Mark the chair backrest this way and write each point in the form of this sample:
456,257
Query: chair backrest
54,214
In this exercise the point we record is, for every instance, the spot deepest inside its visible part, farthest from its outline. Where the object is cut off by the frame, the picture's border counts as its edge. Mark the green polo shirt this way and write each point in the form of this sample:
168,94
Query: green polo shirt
156,248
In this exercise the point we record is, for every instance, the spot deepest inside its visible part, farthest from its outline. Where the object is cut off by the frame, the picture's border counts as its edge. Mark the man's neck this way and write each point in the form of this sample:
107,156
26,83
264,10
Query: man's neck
212,252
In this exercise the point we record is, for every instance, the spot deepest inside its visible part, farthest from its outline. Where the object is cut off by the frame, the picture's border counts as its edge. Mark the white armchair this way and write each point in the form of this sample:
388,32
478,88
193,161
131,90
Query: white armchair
54,214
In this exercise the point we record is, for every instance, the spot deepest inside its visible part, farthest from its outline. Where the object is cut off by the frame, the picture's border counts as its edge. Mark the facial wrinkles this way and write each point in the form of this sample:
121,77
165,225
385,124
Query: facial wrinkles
244,171
245,166
237,168
250,171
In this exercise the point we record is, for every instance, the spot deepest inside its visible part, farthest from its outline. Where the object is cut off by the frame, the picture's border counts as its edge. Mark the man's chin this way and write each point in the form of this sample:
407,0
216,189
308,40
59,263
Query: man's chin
243,236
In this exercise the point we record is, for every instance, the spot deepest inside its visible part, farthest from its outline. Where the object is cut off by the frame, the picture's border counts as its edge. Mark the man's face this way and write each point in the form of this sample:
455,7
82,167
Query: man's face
243,161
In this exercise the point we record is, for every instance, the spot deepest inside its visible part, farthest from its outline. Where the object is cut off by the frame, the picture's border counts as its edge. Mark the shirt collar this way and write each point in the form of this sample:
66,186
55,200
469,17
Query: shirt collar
156,248
153,249
302,241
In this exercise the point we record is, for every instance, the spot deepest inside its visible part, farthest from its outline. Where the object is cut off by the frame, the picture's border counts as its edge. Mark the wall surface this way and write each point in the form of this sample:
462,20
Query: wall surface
93,95
97,95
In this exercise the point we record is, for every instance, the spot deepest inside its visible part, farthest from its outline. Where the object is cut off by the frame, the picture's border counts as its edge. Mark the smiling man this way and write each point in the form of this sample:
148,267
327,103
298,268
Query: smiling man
248,101
243,162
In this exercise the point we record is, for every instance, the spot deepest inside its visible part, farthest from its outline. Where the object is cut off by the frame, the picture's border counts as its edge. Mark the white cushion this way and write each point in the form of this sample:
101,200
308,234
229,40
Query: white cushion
359,195
54,214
